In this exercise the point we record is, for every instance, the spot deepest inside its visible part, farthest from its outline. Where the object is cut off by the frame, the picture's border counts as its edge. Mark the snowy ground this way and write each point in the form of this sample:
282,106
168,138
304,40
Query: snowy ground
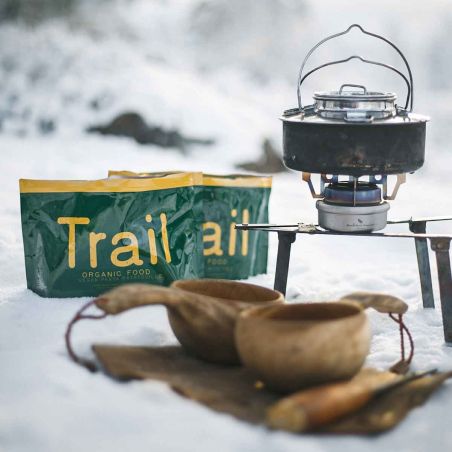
48,403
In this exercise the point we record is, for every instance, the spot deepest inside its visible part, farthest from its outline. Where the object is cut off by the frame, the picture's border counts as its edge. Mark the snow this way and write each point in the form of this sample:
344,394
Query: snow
148,59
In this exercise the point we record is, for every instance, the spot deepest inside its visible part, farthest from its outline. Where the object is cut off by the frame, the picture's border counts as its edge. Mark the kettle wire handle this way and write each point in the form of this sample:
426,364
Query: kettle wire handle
409,100
357,57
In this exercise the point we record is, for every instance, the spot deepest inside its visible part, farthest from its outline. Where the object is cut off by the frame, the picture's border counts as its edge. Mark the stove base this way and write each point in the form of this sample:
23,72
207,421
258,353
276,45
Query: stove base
352,218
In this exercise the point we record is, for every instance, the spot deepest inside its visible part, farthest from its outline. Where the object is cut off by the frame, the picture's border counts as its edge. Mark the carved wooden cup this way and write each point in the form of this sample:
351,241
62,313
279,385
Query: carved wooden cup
297,345
202,313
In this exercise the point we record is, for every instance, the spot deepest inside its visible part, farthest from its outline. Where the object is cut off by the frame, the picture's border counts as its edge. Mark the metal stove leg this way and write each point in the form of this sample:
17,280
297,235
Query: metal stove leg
285,240
425,275
441,246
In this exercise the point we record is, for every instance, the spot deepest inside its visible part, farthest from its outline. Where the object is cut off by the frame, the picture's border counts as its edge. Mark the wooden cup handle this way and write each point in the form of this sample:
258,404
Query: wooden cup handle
130,296
387,304
118,300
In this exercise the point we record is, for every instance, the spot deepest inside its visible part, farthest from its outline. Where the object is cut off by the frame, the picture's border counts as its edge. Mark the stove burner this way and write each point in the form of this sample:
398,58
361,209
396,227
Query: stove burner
352,194
352,206
347,204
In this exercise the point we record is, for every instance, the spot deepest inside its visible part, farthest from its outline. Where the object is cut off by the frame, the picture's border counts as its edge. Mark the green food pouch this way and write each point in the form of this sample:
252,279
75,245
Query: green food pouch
228,200
82,238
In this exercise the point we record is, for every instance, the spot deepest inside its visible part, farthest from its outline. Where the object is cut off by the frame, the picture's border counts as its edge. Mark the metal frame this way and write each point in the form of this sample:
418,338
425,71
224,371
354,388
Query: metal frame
440,244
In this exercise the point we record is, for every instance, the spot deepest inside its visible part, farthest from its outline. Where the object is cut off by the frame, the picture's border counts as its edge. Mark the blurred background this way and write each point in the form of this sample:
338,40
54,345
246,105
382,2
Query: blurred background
220,71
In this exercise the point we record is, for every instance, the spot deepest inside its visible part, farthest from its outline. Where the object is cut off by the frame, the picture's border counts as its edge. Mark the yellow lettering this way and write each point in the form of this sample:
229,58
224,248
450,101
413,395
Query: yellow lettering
245,220
215,238
152,242
165,241
232,234
94,239
72,222
132,248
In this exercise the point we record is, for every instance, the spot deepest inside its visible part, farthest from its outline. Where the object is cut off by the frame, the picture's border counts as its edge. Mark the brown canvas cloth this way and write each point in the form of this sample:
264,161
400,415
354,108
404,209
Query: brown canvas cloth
234,390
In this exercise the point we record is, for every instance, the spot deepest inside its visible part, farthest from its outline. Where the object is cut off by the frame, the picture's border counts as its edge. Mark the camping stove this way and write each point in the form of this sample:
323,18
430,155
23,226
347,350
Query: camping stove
352,205
356,140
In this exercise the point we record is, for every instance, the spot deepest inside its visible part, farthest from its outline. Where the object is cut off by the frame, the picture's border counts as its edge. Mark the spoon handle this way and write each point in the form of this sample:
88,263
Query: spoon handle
322,405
